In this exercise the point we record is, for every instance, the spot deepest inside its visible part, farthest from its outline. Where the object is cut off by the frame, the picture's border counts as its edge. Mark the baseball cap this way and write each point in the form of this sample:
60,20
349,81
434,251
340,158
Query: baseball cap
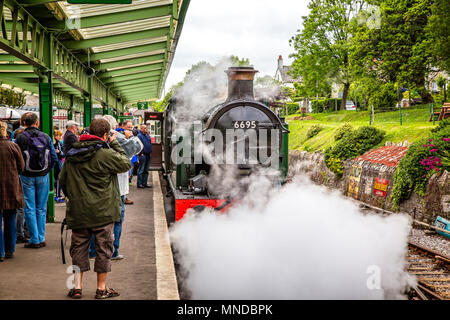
72,123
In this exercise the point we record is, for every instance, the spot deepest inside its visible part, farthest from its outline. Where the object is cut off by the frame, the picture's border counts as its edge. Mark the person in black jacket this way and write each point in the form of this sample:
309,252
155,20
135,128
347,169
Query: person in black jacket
144,158
70,137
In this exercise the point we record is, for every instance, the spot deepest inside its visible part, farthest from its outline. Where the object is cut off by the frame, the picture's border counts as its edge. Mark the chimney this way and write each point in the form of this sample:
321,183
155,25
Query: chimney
240,83
280,63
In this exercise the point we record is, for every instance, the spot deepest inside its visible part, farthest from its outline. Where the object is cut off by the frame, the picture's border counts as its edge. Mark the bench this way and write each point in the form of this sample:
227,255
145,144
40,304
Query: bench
442,114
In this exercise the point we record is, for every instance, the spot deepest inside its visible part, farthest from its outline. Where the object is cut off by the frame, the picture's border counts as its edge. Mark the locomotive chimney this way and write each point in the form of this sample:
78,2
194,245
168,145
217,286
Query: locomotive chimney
240,83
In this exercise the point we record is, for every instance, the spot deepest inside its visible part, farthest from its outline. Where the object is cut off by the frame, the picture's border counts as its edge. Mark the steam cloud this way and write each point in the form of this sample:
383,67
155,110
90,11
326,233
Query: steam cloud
300,241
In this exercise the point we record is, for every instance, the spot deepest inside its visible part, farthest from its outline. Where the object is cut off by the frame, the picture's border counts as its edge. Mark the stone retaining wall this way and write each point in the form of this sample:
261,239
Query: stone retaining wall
368,176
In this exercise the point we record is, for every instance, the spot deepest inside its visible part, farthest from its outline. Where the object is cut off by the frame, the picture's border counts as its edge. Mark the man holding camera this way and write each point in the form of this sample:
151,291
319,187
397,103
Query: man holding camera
89,179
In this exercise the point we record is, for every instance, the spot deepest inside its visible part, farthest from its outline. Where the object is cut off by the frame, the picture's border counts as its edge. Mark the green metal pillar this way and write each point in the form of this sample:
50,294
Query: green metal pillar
46,113
88,107
70,111
46,125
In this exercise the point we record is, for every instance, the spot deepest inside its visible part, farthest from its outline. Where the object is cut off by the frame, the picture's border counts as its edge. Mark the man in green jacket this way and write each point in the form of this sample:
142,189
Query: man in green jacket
89,180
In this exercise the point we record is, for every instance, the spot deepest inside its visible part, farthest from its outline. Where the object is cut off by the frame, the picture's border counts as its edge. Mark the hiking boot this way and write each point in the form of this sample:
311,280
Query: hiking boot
9,255
128,201
43,244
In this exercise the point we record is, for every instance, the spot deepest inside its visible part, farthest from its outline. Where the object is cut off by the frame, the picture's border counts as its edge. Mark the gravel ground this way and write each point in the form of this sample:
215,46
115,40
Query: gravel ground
433,241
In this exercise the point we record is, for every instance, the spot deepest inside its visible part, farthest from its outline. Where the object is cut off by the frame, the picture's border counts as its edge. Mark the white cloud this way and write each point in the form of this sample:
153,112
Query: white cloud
255,29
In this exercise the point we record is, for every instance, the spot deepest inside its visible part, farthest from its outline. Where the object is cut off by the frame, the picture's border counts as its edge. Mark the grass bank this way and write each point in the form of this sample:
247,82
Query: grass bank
415,125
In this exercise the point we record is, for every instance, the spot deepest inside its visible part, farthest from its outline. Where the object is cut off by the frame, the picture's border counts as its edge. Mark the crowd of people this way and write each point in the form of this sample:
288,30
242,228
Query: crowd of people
92,169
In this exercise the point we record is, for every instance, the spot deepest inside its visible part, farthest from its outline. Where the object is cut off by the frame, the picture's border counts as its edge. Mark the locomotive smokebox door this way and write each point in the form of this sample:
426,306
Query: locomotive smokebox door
154,122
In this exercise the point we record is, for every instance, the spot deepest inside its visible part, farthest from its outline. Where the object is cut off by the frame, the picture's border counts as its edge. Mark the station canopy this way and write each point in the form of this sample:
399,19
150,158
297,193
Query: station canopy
118,53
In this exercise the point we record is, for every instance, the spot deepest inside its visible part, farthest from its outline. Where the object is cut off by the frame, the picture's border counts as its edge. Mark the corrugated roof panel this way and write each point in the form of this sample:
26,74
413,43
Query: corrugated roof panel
88,10
135,65
128,44
136,55
125,27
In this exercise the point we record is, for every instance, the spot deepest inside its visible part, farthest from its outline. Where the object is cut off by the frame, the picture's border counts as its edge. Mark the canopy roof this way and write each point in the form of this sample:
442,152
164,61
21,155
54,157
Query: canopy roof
130,47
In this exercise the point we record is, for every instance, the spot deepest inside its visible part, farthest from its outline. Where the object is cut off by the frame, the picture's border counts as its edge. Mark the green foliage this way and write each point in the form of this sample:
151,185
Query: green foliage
439,32
11,98
322,46
342,130
397,51
292,107
385,98
238,62
413,172
313,131
325,105
335,165
353,144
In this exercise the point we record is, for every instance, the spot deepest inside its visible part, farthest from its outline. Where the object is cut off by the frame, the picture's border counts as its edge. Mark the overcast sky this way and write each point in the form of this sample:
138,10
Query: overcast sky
255,29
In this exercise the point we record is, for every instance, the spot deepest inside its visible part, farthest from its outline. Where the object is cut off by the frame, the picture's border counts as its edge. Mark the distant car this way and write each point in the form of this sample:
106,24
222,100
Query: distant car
350,105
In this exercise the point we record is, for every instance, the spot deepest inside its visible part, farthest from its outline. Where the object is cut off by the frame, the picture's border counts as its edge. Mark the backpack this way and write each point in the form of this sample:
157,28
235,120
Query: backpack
37,156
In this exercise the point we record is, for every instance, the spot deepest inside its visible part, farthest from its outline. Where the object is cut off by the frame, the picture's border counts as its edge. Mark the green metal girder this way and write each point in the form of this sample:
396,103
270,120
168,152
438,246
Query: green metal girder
141,91
102,41
35,2
8,58
18,75
128,62
117,17
124,52
121,72
138,89
16,67
145,86
134,81
138,97
138,75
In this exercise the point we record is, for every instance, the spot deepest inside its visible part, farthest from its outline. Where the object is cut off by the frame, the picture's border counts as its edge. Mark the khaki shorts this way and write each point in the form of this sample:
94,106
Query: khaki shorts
79,248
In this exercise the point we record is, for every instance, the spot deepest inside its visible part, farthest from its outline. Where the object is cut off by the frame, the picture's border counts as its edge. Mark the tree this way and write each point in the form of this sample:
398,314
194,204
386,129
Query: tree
439,31
323,45
396,52
11,98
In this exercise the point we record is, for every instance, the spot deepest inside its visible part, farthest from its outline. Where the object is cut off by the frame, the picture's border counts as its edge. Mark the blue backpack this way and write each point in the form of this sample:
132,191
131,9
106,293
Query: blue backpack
37,156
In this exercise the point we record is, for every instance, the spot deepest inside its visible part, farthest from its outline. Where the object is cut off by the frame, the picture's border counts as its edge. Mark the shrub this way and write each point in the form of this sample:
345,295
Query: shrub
423,159
342,130
313,131
351,145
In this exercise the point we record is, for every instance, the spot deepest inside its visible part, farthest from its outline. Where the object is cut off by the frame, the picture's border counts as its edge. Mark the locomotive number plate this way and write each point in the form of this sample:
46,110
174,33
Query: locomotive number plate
245,124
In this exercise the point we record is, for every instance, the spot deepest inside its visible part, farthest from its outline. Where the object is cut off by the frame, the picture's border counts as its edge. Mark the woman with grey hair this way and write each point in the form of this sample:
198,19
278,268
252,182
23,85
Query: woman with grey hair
11,192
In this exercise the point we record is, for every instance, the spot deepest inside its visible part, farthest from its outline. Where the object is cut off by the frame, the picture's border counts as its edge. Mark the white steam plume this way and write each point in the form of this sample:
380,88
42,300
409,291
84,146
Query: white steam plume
202,90
300,241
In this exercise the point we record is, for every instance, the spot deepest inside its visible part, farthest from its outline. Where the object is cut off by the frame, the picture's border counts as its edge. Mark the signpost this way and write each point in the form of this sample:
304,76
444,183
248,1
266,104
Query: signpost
123,118
142,105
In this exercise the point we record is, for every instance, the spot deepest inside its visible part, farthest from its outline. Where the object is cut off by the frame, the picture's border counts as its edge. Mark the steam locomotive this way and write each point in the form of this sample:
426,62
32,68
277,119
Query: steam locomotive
240,119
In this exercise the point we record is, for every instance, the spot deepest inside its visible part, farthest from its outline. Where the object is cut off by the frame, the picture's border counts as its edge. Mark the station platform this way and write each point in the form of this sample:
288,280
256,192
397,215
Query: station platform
146,273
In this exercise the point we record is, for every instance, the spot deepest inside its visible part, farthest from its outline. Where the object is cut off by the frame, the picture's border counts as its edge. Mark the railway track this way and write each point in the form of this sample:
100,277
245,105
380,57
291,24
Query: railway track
432,271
